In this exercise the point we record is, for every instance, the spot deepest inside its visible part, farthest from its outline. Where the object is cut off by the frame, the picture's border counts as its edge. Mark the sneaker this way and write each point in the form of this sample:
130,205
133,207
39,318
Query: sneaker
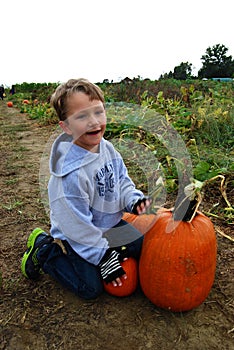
30,266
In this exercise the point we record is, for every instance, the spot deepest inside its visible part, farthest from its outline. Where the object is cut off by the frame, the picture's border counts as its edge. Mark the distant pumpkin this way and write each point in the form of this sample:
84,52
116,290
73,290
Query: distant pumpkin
26,102
129,285
10,104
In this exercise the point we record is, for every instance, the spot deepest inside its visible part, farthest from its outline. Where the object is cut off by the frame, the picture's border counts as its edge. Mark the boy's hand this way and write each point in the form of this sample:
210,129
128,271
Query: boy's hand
140,206
118,282
110,268
123,253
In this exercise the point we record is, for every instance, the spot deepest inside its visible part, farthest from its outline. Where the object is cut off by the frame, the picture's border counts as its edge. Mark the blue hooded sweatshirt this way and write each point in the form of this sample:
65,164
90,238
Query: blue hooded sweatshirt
88,193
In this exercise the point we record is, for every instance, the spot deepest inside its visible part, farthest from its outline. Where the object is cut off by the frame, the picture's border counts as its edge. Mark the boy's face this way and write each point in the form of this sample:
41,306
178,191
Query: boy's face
86,121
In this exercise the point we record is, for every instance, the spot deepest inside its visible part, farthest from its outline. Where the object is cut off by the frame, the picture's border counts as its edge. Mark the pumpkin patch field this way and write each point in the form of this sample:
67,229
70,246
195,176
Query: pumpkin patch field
41,315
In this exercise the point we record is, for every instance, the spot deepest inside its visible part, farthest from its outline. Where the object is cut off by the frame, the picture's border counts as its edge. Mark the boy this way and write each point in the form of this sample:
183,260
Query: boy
89,189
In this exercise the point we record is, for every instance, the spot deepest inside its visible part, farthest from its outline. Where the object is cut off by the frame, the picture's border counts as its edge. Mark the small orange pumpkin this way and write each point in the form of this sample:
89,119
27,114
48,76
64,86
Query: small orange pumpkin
26,102
129,285
178,261
10,104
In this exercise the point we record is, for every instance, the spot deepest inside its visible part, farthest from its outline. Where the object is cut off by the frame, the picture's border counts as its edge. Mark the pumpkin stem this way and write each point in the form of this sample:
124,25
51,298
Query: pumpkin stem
190,198
186,208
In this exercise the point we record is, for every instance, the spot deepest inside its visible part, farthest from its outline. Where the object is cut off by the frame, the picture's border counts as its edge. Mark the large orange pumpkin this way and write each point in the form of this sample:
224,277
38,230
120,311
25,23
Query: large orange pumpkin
143,222
178,261
129,285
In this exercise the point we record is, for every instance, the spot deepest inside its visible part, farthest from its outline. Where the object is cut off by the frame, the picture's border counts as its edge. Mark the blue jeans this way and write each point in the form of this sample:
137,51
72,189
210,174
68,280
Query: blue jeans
75,273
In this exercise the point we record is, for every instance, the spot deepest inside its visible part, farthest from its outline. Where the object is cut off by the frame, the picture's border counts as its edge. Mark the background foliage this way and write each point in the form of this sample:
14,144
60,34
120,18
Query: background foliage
200,111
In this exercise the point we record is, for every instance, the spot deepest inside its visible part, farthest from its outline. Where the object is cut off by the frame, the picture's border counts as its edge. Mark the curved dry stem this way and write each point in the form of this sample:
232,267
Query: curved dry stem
199,200
224,234
222,188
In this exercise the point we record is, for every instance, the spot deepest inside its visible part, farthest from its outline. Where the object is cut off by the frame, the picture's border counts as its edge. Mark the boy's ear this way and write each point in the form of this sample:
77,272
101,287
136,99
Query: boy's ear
64,125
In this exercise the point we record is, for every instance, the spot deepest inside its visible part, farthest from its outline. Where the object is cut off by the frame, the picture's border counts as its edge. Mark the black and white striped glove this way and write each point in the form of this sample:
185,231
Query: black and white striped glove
110,266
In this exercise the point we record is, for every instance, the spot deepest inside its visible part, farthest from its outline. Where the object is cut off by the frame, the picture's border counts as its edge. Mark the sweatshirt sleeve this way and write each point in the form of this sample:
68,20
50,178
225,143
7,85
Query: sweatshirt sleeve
70,212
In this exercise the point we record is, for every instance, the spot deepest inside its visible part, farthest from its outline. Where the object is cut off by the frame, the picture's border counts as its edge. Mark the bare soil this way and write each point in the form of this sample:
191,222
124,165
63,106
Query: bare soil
41,315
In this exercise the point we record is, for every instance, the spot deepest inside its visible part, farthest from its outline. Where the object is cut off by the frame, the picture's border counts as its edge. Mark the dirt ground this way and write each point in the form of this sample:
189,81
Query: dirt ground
42,315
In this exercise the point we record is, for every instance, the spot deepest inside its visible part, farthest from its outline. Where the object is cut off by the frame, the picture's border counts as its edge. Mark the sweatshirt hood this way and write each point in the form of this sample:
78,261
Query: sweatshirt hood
67,156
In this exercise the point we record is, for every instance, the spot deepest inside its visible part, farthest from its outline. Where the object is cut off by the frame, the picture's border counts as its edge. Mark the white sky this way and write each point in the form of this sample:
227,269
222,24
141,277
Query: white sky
53,40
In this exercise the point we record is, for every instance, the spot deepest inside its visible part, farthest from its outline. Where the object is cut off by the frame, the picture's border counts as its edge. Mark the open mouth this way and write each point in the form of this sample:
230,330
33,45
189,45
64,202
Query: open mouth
95,132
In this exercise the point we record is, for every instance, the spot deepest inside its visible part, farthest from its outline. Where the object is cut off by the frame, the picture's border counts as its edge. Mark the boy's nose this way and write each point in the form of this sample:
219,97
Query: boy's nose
93,120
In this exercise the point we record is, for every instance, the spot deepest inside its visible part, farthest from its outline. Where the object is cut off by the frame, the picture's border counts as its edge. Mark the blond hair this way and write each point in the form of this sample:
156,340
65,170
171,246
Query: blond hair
59,99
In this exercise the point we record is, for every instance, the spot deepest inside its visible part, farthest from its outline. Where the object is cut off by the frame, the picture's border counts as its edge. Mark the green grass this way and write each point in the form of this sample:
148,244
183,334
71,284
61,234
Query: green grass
12,205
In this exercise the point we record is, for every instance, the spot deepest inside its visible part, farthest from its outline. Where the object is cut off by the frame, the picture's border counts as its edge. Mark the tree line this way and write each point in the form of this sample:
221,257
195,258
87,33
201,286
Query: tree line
215,64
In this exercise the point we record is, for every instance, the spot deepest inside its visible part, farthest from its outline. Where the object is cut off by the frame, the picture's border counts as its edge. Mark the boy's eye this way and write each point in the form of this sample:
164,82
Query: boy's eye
99,112
80,116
